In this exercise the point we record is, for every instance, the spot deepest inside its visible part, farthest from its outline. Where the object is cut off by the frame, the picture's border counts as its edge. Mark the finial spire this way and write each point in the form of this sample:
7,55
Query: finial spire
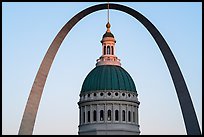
108,11
108,24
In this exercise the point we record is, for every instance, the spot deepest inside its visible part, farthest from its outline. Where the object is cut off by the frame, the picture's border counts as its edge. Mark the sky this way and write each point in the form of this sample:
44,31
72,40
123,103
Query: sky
28,29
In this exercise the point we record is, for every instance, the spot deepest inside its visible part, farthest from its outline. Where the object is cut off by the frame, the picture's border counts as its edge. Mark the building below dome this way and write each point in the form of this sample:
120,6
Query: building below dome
108,102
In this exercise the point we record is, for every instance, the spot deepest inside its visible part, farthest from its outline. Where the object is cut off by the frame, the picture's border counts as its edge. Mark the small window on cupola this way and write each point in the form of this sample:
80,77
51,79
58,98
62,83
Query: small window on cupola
112,50
108,49
104,50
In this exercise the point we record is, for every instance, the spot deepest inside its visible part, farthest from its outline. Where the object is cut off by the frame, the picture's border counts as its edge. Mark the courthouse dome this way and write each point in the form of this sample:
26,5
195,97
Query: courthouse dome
108,77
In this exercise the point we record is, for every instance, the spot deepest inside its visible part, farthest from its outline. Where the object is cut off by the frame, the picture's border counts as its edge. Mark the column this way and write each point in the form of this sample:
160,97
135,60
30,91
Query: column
85,114
126,115
131,114
120,113
112,114
137,116
91,114
97,113
80,115
105,113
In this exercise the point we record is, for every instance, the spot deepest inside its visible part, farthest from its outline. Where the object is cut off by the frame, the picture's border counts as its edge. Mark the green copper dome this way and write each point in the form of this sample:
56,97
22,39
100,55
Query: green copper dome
108,77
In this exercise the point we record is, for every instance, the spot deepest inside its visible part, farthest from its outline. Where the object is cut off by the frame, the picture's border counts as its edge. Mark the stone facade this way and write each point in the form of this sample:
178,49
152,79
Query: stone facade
111,112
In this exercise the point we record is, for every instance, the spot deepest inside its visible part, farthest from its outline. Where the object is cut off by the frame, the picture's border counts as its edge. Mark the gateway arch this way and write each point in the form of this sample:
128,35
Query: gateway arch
188,112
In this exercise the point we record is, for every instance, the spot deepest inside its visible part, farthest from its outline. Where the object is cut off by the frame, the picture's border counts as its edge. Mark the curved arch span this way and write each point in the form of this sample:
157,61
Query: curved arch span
189,115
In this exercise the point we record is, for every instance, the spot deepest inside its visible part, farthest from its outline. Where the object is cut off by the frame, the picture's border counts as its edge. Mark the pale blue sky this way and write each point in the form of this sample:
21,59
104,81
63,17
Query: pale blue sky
29,28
